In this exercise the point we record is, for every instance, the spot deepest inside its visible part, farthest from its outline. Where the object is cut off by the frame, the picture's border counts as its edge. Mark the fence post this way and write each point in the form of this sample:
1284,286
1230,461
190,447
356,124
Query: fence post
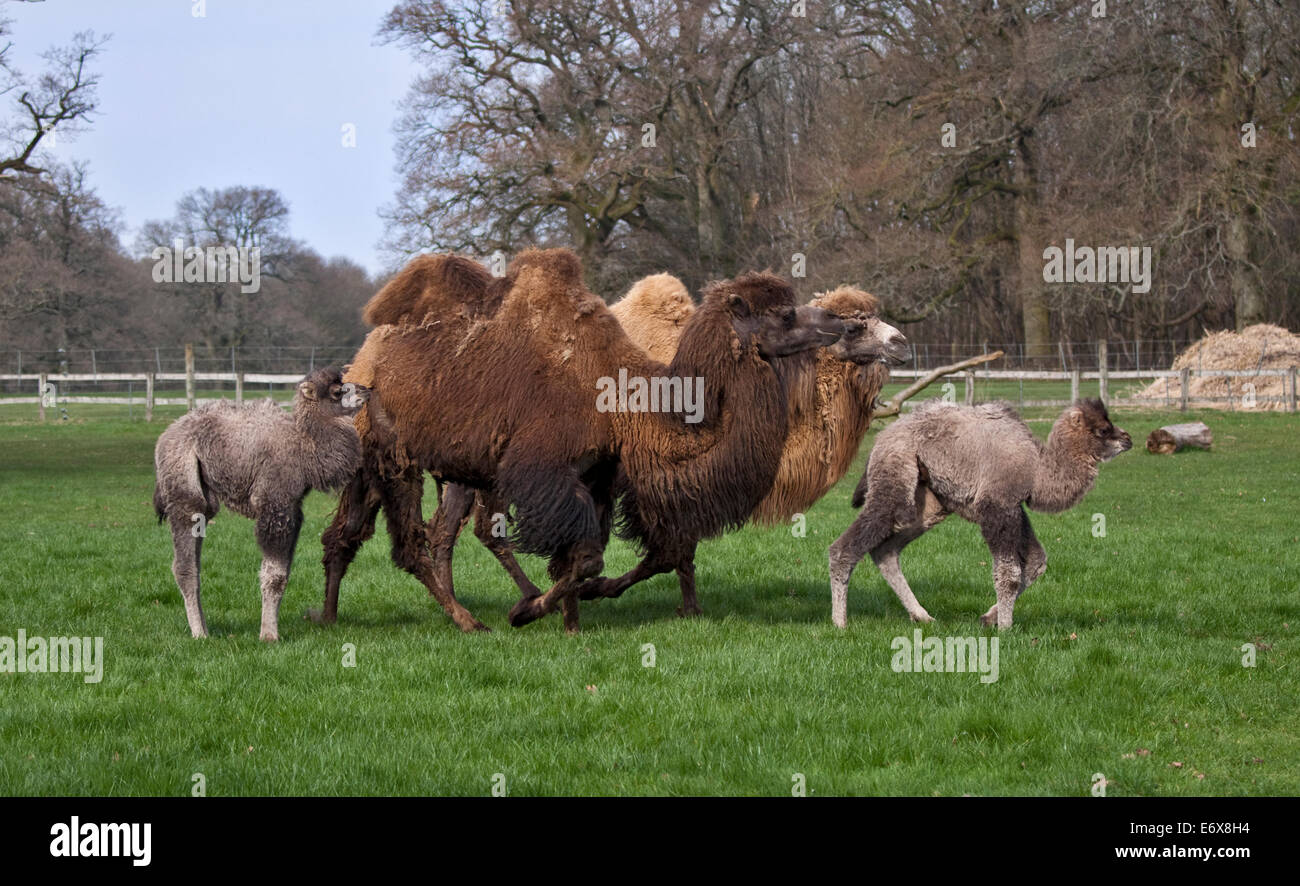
969,376
239,388
189,378
1185,383
1291,398
148,396
40,389
1075,376
1103,382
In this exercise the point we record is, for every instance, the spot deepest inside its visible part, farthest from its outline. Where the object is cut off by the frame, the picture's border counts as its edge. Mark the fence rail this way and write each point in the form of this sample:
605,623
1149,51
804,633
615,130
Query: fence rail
47,385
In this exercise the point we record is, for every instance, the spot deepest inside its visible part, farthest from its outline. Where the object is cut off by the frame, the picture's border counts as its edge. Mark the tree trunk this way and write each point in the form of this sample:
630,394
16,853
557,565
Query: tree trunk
1029,278
1246,294
1172,438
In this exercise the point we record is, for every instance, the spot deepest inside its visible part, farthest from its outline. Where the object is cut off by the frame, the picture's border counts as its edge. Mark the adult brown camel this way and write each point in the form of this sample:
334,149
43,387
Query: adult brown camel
831,395
508,403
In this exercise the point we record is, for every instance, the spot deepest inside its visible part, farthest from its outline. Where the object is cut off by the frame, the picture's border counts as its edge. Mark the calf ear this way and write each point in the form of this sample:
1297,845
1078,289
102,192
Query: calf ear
336,390
308,390
738,305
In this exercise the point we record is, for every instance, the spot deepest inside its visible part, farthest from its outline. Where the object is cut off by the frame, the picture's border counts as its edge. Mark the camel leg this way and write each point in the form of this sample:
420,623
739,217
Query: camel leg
1004,535
444,527
1033,563
886,558
353,524
277,536
600,588
185,568
400,498
686,578
485,511
867,532
581,561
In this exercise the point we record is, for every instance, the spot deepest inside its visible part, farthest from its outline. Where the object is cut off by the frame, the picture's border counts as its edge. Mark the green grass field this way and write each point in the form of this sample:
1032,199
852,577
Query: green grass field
1125,659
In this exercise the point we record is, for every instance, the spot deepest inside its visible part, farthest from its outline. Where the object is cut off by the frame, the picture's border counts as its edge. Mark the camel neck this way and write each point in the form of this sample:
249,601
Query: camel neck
1064,475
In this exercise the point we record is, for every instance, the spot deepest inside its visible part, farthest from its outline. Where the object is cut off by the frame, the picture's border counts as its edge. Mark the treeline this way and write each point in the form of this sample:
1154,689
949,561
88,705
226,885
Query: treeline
929,151
67,281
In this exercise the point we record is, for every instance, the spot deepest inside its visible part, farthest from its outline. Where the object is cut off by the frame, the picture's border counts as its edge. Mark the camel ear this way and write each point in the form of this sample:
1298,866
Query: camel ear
1076,417
336,391
308,390
738,305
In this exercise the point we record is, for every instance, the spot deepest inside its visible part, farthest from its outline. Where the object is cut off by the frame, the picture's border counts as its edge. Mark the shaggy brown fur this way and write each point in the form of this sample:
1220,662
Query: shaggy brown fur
260,462
866,340
831,397
829,418
508,404
983,463
830,392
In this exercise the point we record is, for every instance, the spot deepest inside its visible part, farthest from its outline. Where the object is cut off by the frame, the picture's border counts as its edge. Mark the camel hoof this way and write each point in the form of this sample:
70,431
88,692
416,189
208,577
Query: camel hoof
689,611
268,637
988,621
474,625
922,617
522,613
316,616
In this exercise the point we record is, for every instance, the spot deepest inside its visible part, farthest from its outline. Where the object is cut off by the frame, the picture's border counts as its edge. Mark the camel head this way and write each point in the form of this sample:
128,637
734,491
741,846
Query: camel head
1089,431
762,310
325,391
867,338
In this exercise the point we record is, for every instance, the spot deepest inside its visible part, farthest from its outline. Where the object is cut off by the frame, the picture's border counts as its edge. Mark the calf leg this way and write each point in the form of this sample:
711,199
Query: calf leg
185,568
868,532
1004,534
1033,563
886,558
277,536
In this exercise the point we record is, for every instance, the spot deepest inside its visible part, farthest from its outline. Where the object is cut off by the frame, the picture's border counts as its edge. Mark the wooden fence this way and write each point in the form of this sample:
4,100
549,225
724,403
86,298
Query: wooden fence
47,384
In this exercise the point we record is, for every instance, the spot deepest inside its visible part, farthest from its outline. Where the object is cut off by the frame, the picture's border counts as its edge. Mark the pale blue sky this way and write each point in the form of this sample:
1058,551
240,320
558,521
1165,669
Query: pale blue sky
255,93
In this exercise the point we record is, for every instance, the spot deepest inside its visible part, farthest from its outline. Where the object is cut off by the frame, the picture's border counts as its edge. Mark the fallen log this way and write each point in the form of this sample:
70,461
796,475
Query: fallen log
892,406
1172,438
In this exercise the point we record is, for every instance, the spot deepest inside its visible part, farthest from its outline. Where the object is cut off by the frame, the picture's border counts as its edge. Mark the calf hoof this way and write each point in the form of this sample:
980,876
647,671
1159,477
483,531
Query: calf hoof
474,625
921,617
269,637
988,620
689,611
316,616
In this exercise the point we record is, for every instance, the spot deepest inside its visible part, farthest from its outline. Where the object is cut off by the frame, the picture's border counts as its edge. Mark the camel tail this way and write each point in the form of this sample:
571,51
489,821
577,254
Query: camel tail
860,492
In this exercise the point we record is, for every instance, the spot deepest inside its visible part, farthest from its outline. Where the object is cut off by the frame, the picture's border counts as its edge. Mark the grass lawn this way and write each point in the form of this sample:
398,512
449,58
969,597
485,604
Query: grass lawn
1125,658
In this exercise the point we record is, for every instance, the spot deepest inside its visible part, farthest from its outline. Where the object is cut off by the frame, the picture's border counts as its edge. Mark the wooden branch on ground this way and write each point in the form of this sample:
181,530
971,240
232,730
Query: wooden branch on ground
896,402
1172,438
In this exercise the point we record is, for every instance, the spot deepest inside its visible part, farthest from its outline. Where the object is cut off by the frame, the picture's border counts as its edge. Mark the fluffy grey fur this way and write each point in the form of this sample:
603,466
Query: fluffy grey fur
260,462
983,463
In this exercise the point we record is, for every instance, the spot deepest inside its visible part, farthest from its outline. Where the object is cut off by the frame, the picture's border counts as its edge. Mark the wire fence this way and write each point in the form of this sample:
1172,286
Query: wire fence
1122,355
